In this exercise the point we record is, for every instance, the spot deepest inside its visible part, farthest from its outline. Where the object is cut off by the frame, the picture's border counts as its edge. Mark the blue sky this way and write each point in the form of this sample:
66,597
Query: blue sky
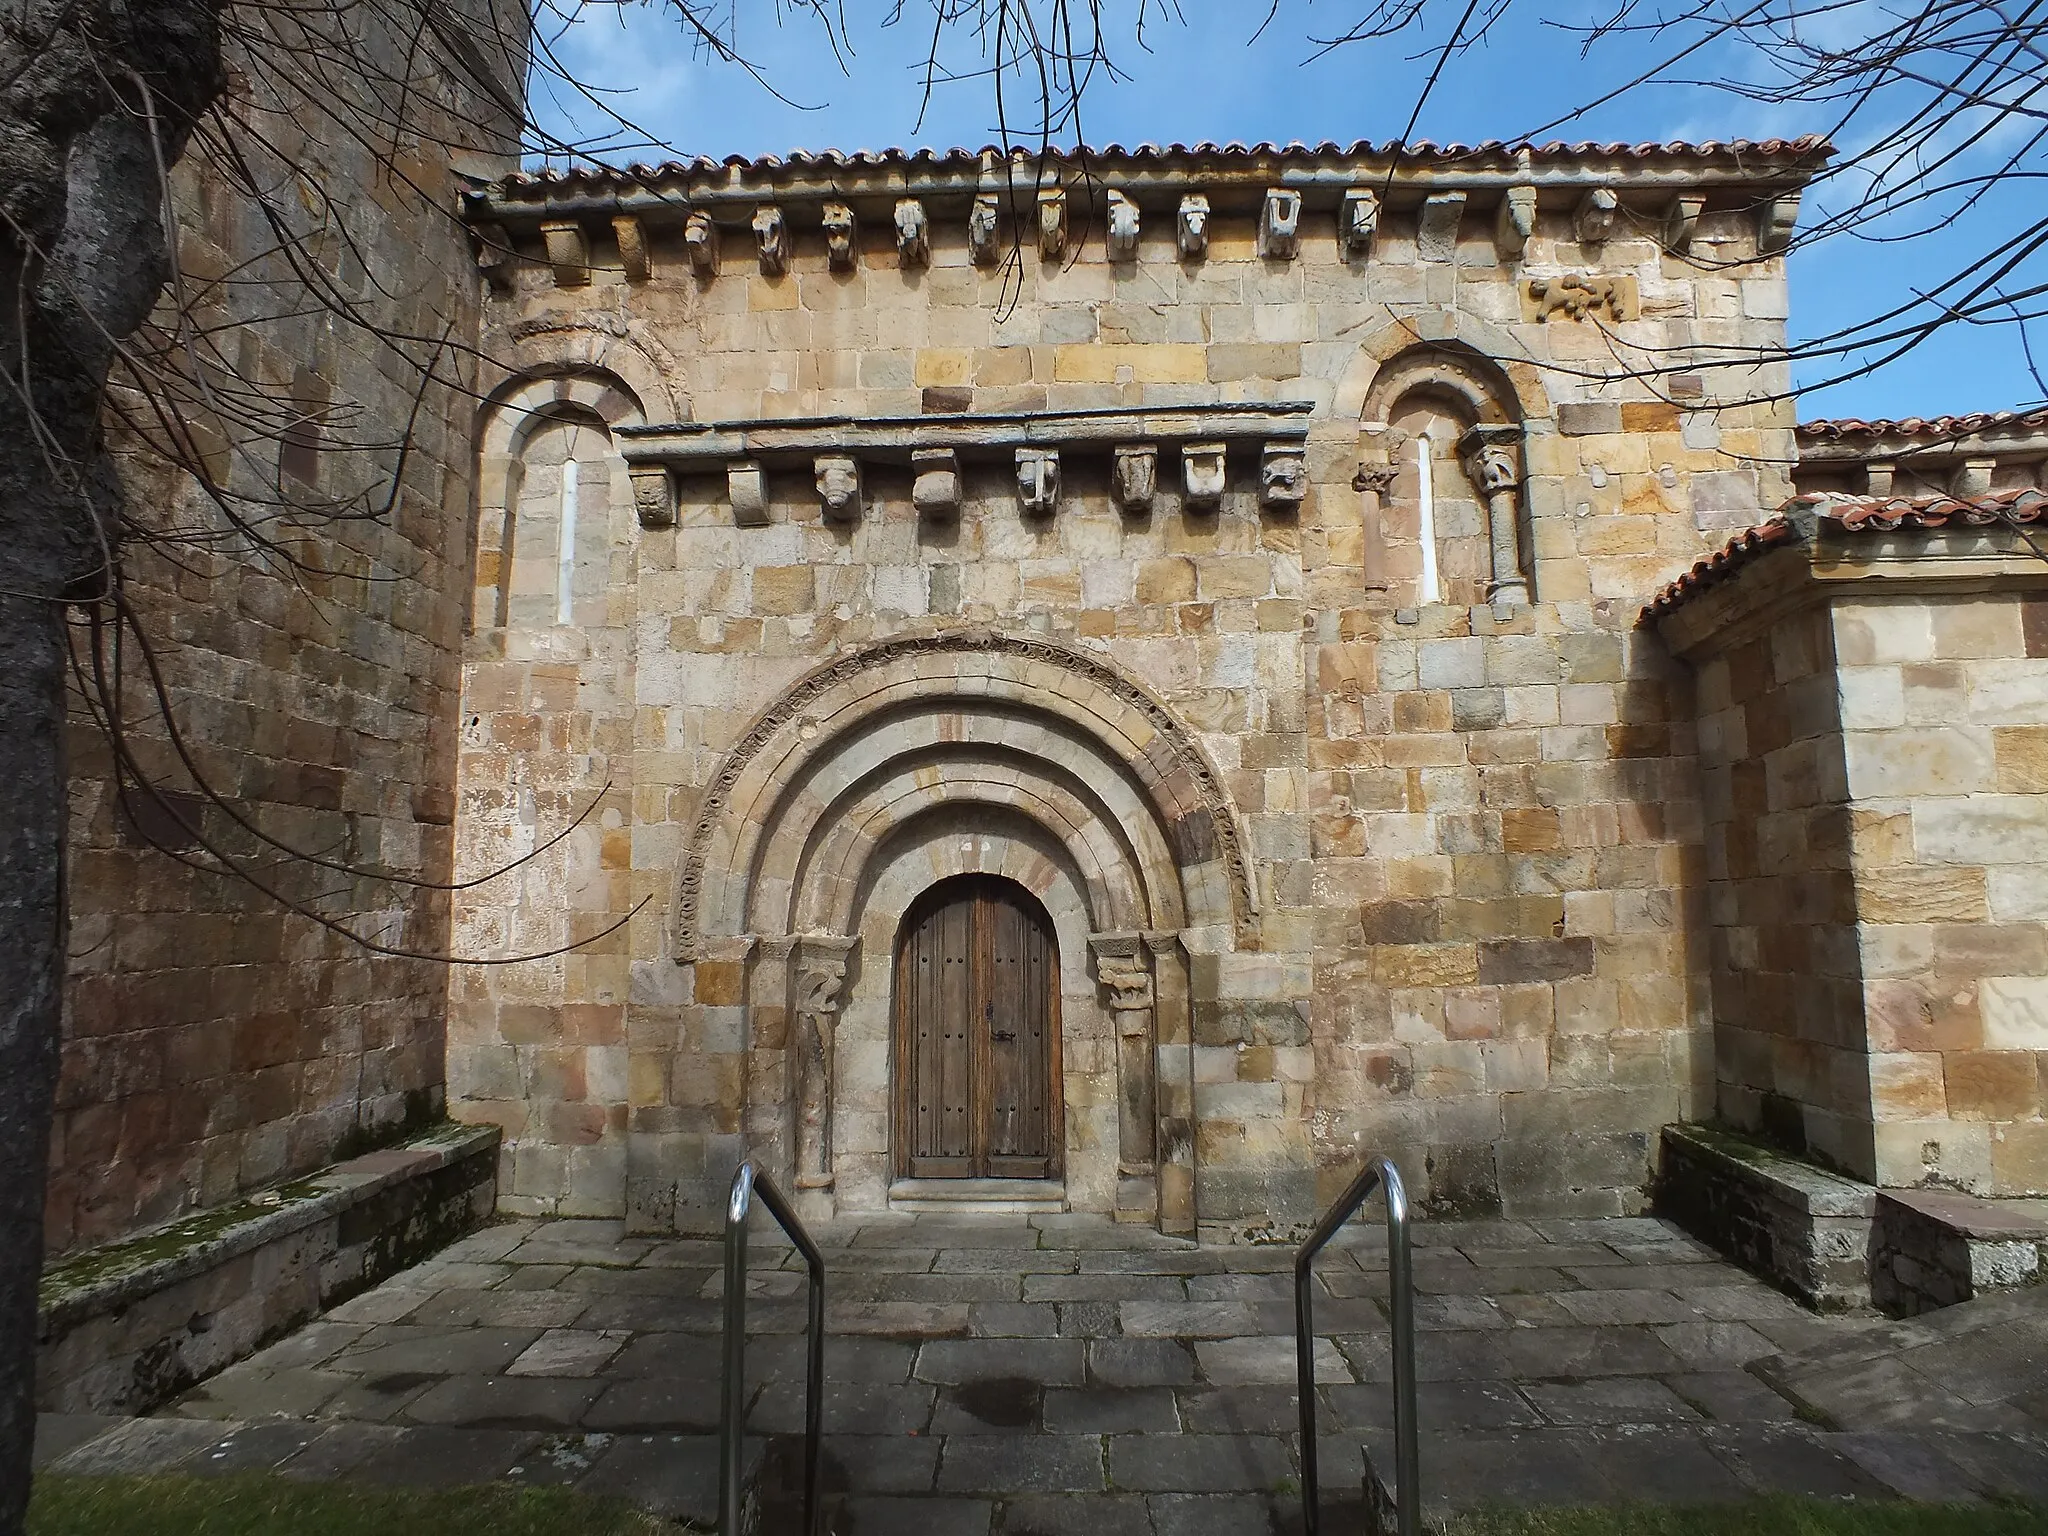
1206,76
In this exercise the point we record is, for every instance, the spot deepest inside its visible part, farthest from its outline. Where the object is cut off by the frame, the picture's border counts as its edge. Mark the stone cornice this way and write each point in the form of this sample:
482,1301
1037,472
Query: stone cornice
892,439
1235,177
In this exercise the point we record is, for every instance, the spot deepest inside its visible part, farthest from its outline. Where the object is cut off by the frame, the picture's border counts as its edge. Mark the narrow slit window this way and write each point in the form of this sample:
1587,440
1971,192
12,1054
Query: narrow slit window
565,565
1430,588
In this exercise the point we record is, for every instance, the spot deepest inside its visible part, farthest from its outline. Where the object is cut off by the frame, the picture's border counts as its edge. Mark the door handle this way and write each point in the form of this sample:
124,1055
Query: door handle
1002,1034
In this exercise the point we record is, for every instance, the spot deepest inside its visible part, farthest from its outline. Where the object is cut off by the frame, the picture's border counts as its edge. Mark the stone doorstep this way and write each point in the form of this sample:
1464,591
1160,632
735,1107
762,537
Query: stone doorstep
106,1279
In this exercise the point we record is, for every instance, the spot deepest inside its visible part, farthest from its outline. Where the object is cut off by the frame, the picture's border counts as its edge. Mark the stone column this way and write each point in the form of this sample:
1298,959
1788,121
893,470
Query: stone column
819,963
1489,455
1375,480
1175,1058
1124,967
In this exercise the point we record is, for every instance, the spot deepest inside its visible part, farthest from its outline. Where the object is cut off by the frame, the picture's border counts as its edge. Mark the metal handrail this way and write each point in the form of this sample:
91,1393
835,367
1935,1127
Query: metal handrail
1378,1173
746,1182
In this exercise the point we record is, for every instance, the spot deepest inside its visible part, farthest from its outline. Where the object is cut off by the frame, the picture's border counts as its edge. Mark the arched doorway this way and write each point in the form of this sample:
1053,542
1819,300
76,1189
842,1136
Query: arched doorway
976,1057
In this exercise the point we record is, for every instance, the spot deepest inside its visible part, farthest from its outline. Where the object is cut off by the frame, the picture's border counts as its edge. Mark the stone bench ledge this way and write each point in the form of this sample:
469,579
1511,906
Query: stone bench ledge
103,1279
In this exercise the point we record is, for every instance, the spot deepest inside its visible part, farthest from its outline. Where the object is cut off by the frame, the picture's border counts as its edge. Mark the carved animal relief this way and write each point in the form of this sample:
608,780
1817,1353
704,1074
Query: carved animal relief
1579,296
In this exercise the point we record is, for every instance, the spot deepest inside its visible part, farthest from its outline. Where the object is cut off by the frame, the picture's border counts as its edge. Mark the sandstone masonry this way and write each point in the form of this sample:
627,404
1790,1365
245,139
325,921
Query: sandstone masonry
1238,550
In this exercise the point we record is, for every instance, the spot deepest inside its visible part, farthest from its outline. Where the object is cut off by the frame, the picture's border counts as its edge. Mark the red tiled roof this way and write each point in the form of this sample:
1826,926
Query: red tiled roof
2020,504
1887,514
1808,150
1922,426
1748,545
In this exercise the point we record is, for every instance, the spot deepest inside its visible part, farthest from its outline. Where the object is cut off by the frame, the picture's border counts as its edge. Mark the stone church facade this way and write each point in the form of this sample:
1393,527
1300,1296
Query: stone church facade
1116,683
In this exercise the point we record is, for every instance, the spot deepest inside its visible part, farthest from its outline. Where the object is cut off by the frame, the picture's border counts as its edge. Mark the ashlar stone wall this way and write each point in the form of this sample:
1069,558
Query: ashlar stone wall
1354,840
216,1042
1872,723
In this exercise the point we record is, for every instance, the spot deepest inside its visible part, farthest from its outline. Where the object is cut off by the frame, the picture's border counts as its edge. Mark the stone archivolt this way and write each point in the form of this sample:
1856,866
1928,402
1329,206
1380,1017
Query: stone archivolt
1042,703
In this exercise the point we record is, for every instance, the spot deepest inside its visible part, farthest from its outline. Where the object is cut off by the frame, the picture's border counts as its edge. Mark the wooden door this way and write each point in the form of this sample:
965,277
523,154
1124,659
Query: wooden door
977,1035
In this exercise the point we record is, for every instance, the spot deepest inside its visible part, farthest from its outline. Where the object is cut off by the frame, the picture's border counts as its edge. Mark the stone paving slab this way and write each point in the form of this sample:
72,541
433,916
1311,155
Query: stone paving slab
1059,1374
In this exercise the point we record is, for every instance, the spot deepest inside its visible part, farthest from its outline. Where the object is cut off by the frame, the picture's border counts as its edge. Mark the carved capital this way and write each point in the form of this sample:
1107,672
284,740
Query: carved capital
821,961
1123,965
1489,456
842,237
1376,478
913,235
1191,233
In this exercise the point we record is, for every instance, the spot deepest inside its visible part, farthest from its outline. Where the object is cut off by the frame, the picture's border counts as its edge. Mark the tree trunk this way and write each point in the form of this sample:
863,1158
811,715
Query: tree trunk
94,99
31,1000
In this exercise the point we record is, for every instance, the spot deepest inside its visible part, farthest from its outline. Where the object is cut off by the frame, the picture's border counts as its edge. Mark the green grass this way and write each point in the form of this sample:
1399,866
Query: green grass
262,1504
1765,1517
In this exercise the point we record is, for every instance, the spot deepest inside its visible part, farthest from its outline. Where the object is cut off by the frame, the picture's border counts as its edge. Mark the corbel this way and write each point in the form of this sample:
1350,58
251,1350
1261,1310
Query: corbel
1515,223
568,252
747,485
1202,474
1134,476
654,495
981,230
1775,221
1680,220
1358,219
1052,222
633,252
771,240
1283,476
1191,233
1038,480
913,235
1122,238
700,244
935,486
1593,220
839,489
494,256
842,237
1436,227
1280,224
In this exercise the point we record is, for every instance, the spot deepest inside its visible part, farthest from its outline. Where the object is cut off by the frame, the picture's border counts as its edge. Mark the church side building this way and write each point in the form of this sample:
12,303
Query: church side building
1108,682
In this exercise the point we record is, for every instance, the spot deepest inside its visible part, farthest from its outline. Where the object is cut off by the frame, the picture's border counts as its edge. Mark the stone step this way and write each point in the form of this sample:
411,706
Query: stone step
978,1197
